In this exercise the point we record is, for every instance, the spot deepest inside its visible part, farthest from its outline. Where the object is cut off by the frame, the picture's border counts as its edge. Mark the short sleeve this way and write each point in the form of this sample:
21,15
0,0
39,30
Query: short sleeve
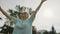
31,19
14,20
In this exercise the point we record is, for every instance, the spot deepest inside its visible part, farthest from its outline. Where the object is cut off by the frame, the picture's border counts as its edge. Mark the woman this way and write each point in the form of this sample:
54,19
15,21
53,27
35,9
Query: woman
23,25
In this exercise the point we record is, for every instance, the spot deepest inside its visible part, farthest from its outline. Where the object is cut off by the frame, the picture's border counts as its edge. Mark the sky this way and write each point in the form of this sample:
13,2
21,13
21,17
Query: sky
48,15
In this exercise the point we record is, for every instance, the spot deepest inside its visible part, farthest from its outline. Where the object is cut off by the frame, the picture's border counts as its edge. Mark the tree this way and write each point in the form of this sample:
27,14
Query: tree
0,18
46,32
33,30
6,29
53,31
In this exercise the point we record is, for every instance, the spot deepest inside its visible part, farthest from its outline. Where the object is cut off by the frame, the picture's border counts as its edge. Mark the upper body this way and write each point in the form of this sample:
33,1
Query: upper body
22,26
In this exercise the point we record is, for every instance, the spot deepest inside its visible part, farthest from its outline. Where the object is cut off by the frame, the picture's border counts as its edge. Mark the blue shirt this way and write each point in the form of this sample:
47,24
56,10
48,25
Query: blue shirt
22,26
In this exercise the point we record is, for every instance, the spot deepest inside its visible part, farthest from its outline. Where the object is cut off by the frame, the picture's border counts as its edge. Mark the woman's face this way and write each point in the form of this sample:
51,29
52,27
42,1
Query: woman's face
24,15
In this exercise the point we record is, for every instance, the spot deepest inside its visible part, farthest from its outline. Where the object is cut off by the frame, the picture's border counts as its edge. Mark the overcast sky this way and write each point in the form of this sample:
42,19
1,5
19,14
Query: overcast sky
48,15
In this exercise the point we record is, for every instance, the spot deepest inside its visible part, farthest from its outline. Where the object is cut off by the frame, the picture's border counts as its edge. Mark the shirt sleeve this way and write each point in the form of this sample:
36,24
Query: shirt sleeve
31,19
13,20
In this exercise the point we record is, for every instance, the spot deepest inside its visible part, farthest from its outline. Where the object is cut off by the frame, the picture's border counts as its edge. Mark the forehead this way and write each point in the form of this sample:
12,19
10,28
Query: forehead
24,13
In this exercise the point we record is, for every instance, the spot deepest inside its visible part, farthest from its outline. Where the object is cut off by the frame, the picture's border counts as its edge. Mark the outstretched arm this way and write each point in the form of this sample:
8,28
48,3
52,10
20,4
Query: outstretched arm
7,15
37,9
